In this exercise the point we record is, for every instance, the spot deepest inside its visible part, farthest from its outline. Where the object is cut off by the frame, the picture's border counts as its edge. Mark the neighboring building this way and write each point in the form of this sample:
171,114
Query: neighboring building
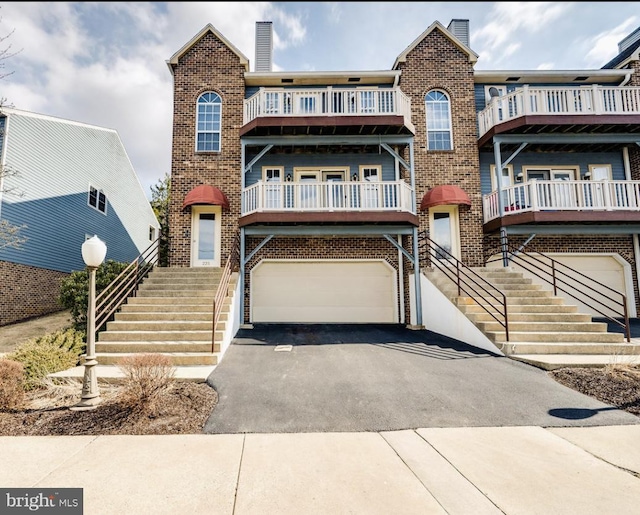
328,179
70,181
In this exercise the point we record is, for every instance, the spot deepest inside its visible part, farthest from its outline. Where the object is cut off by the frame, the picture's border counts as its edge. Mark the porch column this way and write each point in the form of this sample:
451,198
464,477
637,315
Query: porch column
503,231
241,278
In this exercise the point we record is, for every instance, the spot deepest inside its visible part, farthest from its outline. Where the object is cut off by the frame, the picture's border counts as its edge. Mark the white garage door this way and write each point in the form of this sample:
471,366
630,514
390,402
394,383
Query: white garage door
358,291
608,269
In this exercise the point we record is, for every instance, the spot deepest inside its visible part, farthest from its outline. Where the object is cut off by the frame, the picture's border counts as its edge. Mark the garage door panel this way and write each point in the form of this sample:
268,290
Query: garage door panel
316,291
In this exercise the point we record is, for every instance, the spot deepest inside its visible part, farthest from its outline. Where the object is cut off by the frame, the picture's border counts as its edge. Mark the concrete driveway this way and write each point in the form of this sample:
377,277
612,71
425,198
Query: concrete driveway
278,378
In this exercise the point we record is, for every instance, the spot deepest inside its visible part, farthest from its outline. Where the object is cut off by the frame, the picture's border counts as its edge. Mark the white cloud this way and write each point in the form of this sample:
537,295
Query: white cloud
508,21
604,46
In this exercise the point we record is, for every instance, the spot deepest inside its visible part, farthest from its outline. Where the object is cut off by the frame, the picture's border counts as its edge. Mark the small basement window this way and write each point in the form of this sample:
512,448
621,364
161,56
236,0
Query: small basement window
97,199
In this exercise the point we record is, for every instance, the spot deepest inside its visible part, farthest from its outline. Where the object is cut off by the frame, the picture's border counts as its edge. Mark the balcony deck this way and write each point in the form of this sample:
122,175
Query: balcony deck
586,109
584,201
329,202
378,109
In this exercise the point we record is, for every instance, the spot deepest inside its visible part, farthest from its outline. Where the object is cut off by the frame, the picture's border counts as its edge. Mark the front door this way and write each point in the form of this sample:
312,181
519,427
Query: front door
335,191
445,232
205,236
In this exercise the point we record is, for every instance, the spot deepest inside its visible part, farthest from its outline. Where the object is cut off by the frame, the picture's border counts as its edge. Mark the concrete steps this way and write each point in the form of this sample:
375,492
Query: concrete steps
171,314
540,324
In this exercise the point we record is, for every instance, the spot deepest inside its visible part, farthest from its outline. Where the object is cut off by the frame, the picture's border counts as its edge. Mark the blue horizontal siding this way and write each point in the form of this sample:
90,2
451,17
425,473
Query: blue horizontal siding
552,159
55,229
353,161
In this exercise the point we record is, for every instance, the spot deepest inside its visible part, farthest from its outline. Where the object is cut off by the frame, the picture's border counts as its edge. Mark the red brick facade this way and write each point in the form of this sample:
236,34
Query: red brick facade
28,292
208,66
437,63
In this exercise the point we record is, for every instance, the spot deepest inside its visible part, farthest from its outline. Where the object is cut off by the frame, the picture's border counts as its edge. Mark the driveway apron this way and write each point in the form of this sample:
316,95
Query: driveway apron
284,378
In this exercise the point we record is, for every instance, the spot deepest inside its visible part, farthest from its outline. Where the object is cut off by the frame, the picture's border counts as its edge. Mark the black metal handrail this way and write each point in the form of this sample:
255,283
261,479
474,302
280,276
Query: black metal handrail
466,279
580,288
114,295
232,265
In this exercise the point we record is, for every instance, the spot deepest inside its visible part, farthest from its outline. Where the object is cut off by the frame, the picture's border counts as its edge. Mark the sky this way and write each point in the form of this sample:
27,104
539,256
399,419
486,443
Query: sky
105,63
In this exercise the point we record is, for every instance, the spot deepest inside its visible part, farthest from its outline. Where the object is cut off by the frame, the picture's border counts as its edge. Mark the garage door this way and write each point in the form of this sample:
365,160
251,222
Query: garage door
608,269
357,291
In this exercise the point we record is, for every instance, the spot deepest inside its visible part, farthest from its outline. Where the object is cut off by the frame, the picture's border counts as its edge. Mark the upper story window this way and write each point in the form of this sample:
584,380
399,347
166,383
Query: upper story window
438,110
97,199
209,118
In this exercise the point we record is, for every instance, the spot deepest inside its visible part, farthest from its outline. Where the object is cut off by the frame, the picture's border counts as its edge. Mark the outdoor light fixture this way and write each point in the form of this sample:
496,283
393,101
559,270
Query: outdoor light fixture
94,251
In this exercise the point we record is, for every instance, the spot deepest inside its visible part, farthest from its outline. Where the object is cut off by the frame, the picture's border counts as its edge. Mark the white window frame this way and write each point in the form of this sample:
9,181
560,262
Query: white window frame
552,170
454,219
219,131
594,176
99,192
152,233
509,174
450,124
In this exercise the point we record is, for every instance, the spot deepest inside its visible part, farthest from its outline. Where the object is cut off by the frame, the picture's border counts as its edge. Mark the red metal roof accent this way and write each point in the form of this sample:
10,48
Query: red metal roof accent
447,194
205,194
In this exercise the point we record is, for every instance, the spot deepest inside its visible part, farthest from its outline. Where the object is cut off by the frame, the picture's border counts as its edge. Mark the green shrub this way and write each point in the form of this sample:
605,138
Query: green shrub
11,384
48,354
74,290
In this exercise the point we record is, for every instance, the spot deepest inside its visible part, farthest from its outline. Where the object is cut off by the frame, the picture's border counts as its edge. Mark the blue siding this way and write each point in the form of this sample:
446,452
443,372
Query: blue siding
551,159
353,161
54,241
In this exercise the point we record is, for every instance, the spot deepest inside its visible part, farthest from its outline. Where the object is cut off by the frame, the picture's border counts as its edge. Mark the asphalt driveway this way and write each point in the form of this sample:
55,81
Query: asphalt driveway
331,377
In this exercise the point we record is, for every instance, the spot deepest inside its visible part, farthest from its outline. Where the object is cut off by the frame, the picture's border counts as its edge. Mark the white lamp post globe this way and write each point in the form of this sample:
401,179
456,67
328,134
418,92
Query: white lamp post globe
94,251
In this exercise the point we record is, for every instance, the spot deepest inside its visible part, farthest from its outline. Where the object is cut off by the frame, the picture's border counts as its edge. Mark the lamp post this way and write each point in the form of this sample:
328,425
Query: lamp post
94,251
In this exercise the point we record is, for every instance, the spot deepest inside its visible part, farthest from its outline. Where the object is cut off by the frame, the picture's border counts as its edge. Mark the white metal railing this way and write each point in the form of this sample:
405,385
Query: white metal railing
537,195
328,102
328,196
527,101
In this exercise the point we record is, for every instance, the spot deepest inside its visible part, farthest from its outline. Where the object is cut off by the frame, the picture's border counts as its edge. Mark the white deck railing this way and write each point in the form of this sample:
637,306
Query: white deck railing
328,196
328,102
527,101
538,195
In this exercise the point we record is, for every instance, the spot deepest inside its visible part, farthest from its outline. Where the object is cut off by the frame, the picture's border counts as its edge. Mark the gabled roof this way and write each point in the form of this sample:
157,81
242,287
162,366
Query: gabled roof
473,57
208,28
631,53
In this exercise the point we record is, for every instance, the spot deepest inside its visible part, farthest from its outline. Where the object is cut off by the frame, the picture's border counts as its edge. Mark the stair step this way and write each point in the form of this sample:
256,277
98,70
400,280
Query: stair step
169,301
177,293
162,316
120,336
171,325
155,347
177,358
183,307
524,308
555,327
555,337
571,347
551,316
555,361
551,300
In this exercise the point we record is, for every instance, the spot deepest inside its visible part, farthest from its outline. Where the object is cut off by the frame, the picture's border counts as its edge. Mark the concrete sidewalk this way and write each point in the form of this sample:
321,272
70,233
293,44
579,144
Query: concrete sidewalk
523,470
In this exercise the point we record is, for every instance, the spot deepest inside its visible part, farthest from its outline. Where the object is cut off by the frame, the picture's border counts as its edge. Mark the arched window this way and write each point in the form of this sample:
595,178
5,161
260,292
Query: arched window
438,109
209,120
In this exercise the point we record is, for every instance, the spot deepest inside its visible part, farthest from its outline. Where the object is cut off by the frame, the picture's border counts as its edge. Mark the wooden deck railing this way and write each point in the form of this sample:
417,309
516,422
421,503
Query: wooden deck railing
585,195
328,196
328,102
584,100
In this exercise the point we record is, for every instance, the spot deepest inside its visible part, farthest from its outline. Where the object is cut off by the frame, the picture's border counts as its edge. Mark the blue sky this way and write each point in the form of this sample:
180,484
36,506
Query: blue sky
104,63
